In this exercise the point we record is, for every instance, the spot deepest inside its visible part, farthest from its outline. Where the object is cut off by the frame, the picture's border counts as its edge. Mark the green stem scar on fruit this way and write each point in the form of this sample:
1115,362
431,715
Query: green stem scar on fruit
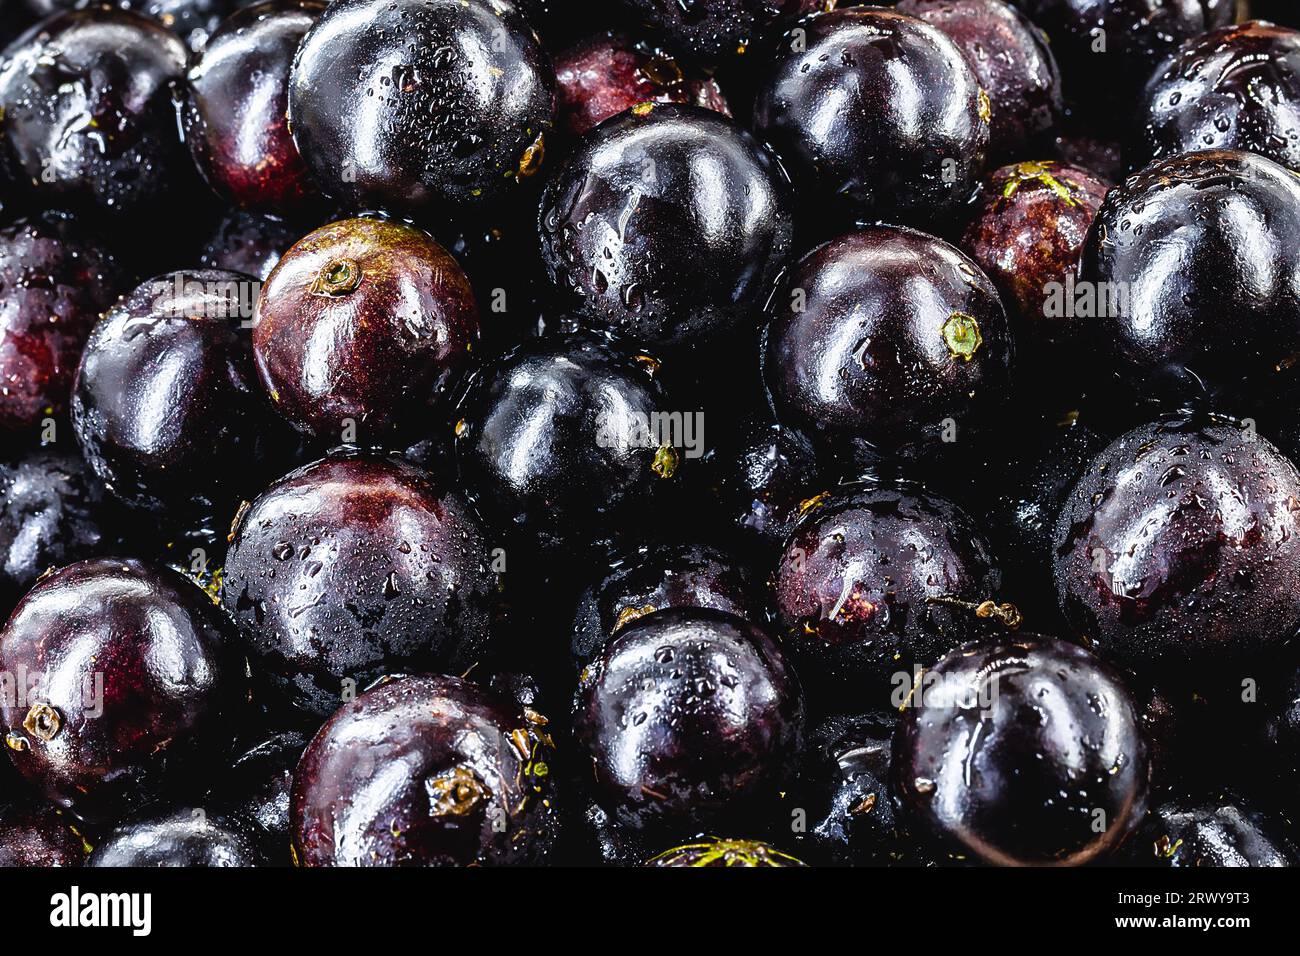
337,277
961,333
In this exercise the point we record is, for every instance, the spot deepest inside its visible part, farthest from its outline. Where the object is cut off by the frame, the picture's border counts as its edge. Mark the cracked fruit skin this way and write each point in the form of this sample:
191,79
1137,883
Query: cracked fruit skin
426,771
1179,548
353,567
551,441
166,406
668,225
1013,61
857,590
418,106
1207,246
183,838
689,716
912,148
86,115
53,286
236,95
879,338
164,654
1234,88
364,321
1022,752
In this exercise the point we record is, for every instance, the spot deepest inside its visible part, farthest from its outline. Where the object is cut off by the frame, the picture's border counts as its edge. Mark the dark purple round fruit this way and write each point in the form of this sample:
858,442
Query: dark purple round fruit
426,771
1194,265
558,441
1218,832
715,31
1014,64
419,105
50,515
876,114
716,852
667,225
182,838
236,97
53,286
166,405
255,788
126,677
606,74
1107,48
887,342
248,243
1023,752
191,20
690,717
363,329
1027,235
1233,88
875,582
659,577
353,567
33,833
1179,548
86,114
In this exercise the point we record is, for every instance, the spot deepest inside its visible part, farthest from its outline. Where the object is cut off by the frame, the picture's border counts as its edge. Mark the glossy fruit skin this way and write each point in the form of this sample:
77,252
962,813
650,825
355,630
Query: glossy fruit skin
604,75
1058,741
857,590
248,243
236,98
1233,88
53,286
125,155
911,153
550,440
426,771
1223,831
364,321
688,263
1138,35
51,514
715,852
191,20
1014,64
33,833
255,788
715,31
186,837
167,682
883,339
659,577
166,406
420,105
689,716
1178,548
1193,239
1027,234
353,567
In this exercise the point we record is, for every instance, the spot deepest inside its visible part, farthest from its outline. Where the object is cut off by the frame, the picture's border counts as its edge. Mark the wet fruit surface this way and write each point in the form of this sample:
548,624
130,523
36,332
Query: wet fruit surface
1179,548
668,225
715,30
416,104
883,341
425,771
37,834
1222,833
87,116
688,716
912,148
248,243
1181,245
1013,62
356,566
236,97
876,581
128,668
183,838
362,329
1022,752
166,406
1235,88
53,286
